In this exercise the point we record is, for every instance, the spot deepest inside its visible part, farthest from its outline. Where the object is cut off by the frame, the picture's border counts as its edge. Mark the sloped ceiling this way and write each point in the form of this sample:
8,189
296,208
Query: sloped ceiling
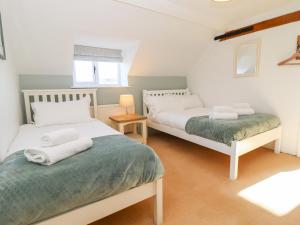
171,34
45,31
208,13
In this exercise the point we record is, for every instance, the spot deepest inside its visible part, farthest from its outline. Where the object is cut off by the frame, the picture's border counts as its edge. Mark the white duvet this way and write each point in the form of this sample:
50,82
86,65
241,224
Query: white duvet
29,135
178,119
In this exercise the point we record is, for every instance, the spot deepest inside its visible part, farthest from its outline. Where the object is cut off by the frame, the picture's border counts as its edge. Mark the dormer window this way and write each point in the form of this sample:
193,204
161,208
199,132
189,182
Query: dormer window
98,67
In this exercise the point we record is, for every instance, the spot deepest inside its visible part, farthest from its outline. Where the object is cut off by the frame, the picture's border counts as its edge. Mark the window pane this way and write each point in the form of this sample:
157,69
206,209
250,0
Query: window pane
84,71
108,73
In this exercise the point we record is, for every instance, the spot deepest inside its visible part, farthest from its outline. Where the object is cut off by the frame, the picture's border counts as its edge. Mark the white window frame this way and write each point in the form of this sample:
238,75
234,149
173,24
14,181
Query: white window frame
96,83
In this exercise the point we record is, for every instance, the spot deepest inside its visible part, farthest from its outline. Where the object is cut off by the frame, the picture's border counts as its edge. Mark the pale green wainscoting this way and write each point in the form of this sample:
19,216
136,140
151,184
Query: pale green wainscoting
107,95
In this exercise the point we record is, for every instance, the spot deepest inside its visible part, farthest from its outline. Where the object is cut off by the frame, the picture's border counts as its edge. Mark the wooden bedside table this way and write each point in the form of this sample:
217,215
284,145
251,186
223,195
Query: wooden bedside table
122,120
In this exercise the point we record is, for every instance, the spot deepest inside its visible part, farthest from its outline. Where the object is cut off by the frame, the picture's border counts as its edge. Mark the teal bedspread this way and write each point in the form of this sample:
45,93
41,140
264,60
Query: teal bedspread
226,131
30,192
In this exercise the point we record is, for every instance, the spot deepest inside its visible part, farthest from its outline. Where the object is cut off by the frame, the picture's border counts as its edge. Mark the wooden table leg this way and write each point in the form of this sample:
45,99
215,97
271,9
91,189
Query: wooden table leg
121,128
134,128
144,132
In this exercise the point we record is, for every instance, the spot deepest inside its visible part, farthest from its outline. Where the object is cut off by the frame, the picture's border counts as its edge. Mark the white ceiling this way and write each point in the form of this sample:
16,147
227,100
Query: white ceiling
230,12
216,15
46,30
172,34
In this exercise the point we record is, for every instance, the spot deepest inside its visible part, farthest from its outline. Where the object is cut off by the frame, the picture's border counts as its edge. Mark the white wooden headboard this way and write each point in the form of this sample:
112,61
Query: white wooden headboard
57,95
147,93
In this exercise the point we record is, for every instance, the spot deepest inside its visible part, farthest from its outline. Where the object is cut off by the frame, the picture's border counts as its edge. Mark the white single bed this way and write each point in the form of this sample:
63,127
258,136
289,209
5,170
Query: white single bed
173,122
29,135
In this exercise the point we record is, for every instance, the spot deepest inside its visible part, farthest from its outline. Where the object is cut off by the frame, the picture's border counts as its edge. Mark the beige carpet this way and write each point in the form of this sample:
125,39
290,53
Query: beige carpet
197,190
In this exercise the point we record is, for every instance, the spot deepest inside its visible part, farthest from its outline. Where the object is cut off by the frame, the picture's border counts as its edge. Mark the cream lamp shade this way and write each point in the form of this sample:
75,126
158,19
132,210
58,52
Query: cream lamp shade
126,101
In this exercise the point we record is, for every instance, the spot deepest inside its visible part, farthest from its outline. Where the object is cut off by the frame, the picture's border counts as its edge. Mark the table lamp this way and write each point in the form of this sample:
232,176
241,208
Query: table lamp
126,101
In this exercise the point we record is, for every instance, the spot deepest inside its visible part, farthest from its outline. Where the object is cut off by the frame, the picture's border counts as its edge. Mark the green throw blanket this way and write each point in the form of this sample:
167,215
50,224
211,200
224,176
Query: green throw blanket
226,131
30,192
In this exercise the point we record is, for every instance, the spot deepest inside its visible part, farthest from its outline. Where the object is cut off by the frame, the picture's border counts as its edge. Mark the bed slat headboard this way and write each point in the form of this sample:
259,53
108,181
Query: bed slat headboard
147,93
57,95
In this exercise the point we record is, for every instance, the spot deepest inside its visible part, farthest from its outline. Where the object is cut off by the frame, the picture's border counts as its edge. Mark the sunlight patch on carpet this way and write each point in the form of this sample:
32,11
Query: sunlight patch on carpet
279,194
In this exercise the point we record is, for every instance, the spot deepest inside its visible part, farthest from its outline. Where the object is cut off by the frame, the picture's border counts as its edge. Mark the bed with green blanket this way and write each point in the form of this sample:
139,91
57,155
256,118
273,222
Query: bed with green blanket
30,193
231,137
227,131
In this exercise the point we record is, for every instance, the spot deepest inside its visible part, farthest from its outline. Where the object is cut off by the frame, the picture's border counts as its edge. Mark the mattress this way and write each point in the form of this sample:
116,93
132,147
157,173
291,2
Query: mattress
178,119
113,165
29,135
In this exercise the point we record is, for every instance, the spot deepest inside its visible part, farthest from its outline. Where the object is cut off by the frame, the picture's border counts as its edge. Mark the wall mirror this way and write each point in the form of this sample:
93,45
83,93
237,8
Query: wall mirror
247,56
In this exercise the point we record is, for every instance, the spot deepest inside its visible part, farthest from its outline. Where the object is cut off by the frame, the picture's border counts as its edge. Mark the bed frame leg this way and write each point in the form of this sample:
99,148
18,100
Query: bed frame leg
277,146
234,162
158,203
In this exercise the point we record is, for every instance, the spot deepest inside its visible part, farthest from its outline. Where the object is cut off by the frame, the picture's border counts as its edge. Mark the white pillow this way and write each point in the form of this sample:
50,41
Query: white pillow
157,104
53,113
191,101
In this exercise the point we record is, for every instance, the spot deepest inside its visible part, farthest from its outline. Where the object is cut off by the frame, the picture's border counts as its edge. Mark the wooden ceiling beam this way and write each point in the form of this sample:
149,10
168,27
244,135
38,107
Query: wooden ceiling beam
267,24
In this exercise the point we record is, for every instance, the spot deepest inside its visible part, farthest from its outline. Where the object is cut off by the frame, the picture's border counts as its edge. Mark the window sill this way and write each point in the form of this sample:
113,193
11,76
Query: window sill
100,86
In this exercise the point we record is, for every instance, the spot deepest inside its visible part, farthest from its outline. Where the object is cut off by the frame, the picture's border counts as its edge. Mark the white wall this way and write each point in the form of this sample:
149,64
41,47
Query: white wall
9,88
275,90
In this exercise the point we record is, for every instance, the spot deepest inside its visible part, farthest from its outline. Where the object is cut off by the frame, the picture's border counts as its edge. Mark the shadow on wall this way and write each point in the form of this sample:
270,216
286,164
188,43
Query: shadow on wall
106,95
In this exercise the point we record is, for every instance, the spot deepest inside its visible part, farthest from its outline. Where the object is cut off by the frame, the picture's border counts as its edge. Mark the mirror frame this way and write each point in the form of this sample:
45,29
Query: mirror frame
258,50
2,46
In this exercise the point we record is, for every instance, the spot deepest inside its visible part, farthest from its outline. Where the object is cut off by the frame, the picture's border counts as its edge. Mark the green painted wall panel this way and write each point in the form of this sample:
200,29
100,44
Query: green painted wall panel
106,95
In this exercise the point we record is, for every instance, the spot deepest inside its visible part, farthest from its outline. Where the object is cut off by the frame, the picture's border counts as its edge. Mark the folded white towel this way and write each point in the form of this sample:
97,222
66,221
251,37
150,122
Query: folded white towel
241,105
244,111
223,108
223,116
51,155
59,137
